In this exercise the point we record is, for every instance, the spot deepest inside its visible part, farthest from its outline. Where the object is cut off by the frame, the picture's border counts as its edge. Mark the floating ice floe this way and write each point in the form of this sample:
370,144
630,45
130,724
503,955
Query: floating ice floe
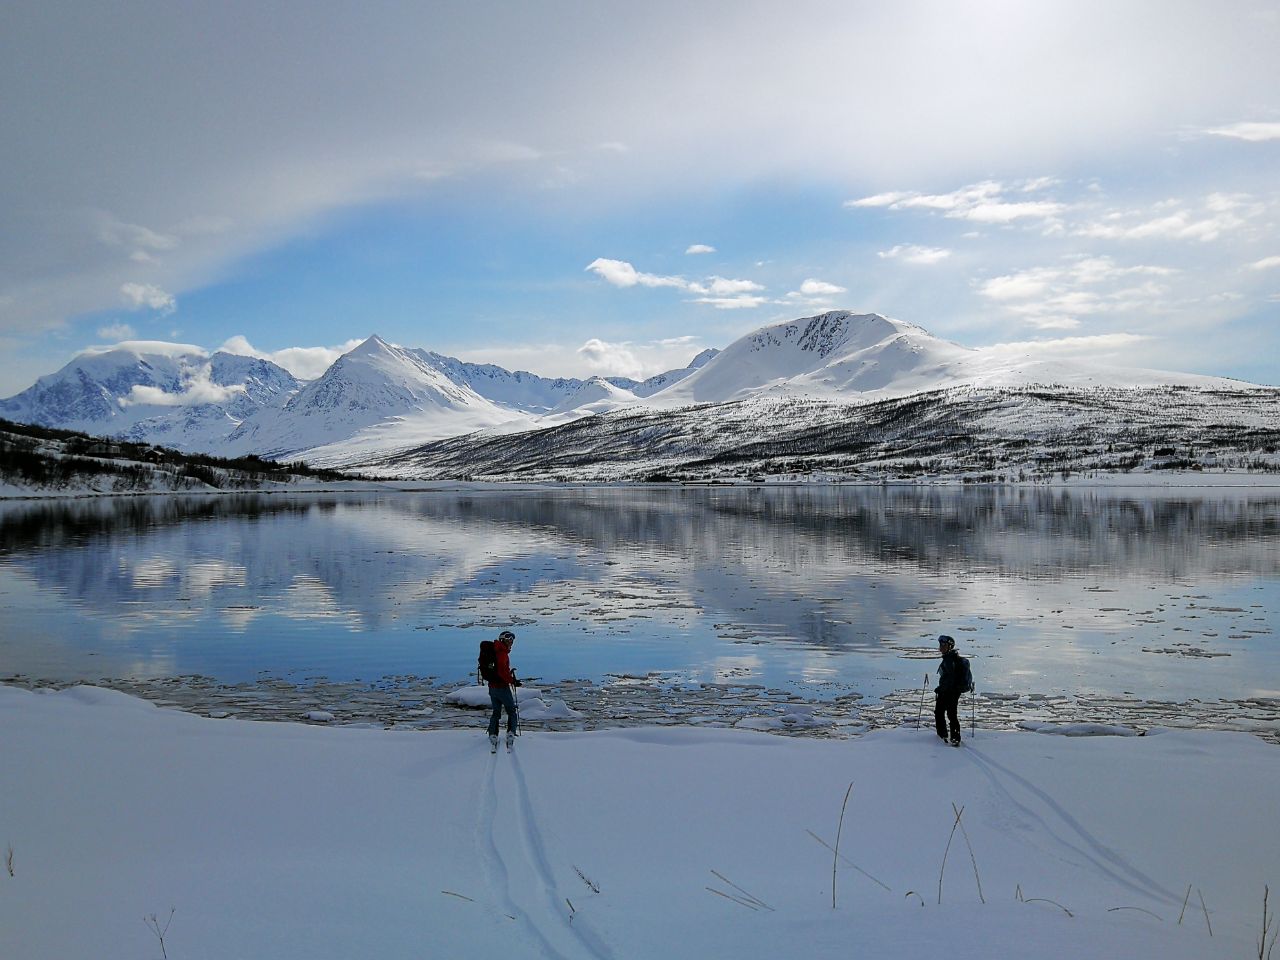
319,716
1080,729
478,696
794,717
536,708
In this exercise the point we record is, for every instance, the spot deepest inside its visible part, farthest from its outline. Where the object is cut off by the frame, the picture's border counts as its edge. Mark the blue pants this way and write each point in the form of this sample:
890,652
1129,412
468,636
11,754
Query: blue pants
502,699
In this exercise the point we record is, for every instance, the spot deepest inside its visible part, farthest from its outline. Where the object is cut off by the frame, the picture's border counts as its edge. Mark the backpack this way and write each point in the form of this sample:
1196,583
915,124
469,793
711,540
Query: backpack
954,677
487,662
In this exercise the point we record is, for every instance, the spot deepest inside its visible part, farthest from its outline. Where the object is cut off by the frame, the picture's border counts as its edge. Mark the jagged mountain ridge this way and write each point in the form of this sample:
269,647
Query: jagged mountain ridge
154,392
376,398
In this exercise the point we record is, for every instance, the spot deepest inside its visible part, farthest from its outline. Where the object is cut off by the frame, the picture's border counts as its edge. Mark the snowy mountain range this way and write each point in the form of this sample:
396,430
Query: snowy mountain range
379,402
376,398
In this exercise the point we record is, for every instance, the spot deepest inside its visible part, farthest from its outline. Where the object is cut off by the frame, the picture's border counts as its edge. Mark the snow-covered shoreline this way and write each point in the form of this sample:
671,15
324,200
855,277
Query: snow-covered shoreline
285,840
1152,483
621,702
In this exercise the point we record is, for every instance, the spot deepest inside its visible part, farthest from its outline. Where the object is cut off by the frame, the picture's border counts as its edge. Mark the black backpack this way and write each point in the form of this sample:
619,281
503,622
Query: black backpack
487,662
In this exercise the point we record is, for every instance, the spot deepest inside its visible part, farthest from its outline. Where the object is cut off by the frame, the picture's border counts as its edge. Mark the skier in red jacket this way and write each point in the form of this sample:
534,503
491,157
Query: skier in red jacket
500,690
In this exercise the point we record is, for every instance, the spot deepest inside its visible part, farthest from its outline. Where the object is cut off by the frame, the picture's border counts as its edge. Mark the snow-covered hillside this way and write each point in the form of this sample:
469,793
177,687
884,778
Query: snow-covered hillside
965,432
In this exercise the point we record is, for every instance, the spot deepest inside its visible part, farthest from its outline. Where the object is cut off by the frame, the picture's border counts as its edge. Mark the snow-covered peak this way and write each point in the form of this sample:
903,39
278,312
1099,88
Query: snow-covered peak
834,352
596,395
361,397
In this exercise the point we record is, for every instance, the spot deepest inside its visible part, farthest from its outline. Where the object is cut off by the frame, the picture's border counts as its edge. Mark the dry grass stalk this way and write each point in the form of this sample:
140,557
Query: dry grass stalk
159,929
591,884
721,893
1139,909
849,862
1200,894
1265,949
1185,901
1047,900
972,859
8,860
950,837
835,854
450,893
749,897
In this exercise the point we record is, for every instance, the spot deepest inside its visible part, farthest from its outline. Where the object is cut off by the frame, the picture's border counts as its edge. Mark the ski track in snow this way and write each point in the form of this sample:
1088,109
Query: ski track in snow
512,898
497,876
537,853
1101,857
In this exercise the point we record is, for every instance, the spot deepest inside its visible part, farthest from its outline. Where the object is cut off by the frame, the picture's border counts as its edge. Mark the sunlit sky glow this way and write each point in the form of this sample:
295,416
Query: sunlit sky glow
610,188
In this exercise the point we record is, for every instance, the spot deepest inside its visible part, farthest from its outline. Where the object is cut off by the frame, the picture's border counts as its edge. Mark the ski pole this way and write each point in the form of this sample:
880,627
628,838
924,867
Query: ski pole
920,712
973,716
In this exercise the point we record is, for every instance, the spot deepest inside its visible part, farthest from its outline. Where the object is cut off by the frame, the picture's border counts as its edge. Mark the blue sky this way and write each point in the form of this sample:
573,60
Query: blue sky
610,188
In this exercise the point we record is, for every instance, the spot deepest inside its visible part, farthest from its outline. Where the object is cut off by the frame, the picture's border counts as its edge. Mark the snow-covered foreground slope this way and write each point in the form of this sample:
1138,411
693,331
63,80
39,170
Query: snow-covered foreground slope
292,841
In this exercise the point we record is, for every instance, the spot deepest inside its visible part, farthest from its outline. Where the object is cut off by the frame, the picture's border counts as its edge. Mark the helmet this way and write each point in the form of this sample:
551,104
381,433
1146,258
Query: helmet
946,644
506,636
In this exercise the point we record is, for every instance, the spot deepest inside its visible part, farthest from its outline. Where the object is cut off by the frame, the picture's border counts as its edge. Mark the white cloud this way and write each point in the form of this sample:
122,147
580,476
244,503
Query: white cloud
1001,212
1173,220
1069,345
622,274
1266,263
117,233
197,388
879,200
979,202
305,363
724,287
700,248
819,288
1252,131
595,357
912,253
117,331
163,348
1055,298
139,295
723,293
612,358
732,303
1019,286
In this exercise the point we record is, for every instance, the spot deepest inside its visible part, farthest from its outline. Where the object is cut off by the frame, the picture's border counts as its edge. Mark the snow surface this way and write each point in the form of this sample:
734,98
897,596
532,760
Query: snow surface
298,841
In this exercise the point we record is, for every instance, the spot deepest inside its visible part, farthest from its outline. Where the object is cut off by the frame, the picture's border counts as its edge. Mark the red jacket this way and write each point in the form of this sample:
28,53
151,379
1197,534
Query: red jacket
502,663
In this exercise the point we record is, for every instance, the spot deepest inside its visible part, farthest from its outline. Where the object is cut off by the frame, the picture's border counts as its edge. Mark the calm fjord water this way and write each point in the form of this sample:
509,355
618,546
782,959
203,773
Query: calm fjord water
820,590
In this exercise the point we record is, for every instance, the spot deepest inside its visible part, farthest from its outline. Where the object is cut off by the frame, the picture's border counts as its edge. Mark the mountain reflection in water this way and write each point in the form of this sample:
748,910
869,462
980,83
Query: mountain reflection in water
806,587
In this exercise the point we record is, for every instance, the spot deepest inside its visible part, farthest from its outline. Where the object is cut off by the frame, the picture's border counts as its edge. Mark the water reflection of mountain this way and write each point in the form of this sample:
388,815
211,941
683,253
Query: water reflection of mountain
1016,532
853,557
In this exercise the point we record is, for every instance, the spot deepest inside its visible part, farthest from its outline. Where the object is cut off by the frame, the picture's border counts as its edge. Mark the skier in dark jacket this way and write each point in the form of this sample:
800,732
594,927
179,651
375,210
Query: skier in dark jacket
501,694
954,679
